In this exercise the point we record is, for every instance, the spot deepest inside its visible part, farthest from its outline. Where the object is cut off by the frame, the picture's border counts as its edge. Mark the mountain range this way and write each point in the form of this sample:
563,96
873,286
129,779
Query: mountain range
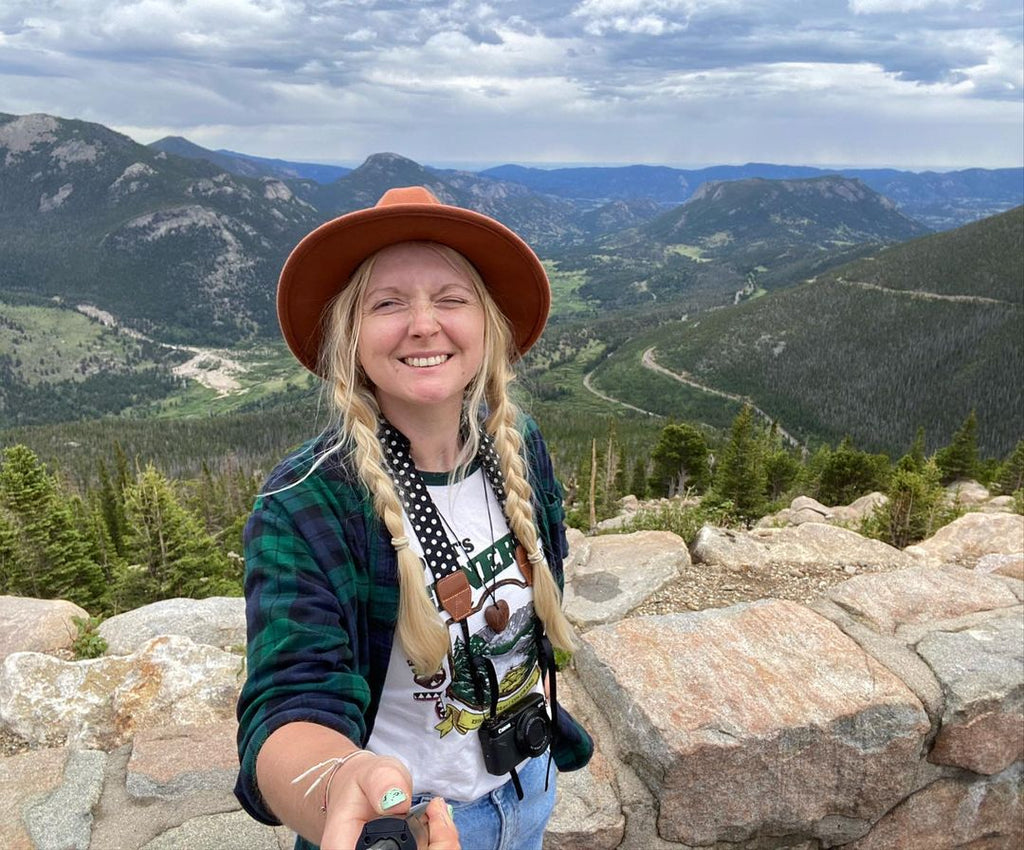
938,200
918,334
179,246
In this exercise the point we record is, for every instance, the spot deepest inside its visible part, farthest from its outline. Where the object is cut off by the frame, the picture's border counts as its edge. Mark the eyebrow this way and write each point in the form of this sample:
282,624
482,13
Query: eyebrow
388,289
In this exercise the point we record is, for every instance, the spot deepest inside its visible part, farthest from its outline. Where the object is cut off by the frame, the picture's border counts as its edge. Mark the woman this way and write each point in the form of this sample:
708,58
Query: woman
403,569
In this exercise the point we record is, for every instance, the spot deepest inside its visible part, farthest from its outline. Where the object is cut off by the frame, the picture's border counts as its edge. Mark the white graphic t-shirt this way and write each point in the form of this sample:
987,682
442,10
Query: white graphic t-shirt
430,722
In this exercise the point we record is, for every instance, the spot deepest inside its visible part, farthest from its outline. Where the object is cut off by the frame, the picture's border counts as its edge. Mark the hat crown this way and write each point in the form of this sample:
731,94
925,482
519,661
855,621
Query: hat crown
407,195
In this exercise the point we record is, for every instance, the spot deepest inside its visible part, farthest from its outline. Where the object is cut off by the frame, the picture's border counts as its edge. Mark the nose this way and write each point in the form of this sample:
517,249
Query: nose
423,320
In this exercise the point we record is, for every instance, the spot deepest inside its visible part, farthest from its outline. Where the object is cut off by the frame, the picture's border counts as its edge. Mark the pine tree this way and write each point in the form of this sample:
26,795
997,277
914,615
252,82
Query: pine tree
169,552
848,474
638,481
51,558
112,508
914,508
740,478
1010,477
9,567
680,460
914,459
959,460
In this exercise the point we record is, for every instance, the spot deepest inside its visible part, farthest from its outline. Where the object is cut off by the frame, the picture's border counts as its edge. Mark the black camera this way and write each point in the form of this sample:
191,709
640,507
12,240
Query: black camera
522,732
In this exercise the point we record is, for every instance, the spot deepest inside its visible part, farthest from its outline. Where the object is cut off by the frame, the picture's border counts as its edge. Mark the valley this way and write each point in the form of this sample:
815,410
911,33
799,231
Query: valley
675,296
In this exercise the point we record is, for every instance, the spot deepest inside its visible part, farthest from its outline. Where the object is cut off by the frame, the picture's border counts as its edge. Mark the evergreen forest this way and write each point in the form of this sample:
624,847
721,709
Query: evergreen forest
157,509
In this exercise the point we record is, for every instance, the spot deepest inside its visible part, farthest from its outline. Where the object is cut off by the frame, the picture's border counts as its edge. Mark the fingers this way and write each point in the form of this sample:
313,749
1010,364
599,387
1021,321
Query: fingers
366,788
440,827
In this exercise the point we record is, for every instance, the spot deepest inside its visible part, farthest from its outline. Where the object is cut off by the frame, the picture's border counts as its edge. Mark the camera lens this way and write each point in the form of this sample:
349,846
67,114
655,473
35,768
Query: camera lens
532,734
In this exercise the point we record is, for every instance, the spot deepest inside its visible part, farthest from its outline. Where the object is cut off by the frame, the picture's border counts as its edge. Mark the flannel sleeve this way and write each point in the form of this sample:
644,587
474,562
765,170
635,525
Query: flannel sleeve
549,508
302,616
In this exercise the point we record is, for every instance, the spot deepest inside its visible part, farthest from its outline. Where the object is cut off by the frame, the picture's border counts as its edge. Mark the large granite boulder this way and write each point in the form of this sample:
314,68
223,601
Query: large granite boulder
215,621
967,493
906,598
853,514
955,814
612,574
101,703
37,625
808,545
971,537
742,731
981,669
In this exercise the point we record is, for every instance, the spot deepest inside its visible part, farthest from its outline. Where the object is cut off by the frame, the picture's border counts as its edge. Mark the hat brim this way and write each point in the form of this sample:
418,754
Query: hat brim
321,264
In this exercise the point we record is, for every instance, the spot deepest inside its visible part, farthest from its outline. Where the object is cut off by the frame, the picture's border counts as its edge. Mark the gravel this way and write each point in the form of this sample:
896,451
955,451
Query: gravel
700,586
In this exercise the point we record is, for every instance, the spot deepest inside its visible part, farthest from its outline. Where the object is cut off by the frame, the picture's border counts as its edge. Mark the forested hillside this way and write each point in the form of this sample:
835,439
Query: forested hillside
936,330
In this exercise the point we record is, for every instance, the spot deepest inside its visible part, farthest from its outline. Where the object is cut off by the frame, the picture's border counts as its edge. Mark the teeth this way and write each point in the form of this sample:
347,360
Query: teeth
436,360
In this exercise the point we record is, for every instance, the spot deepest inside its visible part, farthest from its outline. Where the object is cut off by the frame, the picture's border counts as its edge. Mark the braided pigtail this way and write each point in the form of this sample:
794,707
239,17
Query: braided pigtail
547,599
420,631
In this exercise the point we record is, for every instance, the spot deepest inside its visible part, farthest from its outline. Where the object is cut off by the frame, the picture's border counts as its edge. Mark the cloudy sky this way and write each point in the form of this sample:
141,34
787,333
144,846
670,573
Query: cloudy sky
906,83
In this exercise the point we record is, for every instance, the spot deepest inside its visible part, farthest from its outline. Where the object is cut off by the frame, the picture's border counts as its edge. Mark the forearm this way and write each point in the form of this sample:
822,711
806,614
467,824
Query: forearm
289,752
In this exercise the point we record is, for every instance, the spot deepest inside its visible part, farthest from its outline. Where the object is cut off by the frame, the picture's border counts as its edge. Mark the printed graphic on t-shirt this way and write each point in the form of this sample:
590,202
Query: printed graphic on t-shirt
462,700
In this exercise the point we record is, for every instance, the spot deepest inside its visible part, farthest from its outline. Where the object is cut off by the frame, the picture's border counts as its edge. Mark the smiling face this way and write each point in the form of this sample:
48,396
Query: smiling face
421,335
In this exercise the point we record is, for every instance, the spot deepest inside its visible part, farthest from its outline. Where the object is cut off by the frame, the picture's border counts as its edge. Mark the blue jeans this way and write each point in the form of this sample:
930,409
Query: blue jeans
501,821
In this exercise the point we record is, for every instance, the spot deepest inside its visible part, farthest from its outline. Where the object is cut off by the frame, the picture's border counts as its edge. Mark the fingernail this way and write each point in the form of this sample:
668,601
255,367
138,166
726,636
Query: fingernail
451,813
392,798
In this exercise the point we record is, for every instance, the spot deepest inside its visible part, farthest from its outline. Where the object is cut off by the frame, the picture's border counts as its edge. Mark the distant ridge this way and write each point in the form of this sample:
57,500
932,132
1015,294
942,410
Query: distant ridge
246,165
941,201
935,333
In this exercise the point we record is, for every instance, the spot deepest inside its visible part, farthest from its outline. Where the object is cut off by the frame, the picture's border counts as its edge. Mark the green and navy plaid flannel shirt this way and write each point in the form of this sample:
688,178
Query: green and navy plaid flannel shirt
321,587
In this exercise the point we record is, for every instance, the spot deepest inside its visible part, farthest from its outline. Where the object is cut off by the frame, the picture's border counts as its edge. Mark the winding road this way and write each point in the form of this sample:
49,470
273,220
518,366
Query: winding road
648,362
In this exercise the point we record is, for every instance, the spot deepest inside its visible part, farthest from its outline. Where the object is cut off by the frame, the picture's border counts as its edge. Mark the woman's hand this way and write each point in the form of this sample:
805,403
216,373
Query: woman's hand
371,786
440,827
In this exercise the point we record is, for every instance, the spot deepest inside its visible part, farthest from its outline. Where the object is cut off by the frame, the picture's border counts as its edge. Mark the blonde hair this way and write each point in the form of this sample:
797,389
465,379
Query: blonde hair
421,632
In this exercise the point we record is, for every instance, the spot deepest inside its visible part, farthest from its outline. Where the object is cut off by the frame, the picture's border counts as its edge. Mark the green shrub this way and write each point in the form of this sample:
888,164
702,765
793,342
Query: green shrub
915,509
89,643
684,519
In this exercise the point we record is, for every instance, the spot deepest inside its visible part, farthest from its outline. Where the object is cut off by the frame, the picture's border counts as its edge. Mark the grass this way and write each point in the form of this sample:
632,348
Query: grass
694,252
564,288
55,343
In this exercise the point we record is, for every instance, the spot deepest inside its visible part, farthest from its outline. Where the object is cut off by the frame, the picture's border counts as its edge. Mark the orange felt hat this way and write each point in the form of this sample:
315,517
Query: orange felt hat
321,264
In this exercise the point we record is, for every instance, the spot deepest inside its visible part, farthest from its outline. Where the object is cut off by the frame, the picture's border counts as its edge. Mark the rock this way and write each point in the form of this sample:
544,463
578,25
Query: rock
741,729
1000,504
856,512
612,574
812,545
967,494
1011,566
228,831
614,523
921,594
26,780
806,515
577,544
629,504
216,621
64,817
806,503
102,702
725,547
587,815
982,674
176,761
971,537
37,625
954,814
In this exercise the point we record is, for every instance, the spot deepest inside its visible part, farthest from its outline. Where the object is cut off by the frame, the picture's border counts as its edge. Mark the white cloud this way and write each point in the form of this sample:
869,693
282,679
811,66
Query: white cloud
624,80
869,7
